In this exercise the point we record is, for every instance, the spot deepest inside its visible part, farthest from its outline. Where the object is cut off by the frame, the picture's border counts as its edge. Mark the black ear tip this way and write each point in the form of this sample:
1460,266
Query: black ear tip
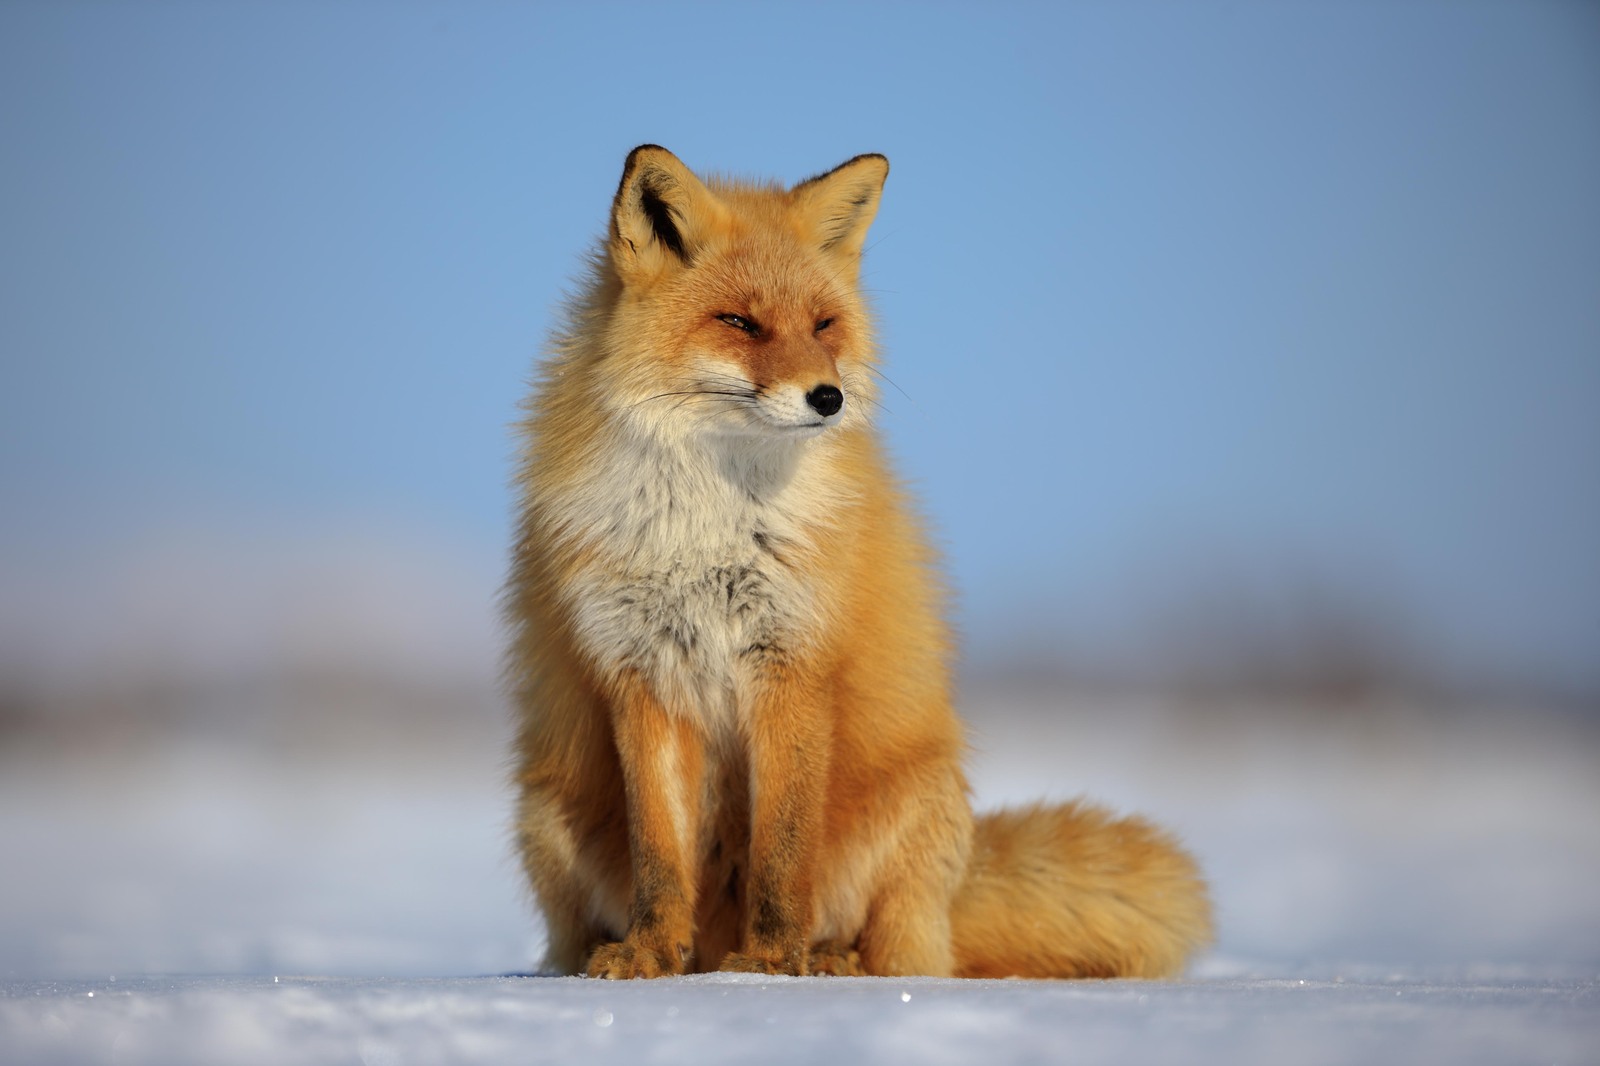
635,162
868,157
639,153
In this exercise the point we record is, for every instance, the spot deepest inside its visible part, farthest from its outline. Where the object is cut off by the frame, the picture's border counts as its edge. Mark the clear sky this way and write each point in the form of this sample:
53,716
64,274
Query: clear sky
1233,316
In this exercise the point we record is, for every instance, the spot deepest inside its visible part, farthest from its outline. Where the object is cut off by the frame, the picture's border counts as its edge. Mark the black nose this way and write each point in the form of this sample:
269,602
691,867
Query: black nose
825,400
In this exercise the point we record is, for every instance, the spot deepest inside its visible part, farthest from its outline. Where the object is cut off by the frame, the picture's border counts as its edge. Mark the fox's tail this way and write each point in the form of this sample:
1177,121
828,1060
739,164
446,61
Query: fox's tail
1073,891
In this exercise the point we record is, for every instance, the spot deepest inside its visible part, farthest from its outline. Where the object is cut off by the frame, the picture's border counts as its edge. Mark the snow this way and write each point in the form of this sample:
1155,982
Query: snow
1393,883
738,1019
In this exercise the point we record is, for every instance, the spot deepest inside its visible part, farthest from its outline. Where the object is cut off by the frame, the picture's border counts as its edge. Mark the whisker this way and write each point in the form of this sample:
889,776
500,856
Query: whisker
665,396
686,394
885,377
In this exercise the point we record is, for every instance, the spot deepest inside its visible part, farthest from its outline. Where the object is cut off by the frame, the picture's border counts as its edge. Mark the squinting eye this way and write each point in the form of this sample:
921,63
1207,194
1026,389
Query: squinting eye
824,324
738,322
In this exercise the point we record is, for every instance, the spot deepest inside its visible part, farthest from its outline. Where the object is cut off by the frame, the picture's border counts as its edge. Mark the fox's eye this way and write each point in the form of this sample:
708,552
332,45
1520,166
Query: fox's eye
824,324
738,322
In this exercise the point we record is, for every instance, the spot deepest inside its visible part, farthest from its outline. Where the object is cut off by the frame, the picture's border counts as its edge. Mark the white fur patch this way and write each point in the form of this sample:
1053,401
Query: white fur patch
689,525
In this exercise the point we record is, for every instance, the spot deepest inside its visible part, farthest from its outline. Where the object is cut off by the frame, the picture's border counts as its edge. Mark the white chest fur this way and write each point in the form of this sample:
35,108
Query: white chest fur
692,581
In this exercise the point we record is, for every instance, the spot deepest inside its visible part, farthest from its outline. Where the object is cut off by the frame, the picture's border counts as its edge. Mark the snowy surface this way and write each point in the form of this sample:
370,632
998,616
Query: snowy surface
1393,883
739,1019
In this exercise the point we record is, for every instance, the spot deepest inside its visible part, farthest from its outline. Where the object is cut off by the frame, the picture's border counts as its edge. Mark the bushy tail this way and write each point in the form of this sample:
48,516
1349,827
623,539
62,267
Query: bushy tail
1074,891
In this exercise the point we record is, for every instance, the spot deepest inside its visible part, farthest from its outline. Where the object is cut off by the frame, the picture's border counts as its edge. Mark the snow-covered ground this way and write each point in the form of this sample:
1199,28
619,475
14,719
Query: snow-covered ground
1394,883
726,1018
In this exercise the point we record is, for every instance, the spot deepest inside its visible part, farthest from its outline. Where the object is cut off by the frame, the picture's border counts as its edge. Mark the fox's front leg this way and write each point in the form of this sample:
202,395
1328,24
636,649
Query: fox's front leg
663,760
787,738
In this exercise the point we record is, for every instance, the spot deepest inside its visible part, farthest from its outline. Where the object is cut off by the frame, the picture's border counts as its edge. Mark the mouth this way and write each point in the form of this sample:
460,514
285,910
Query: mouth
785,430
790,420
758,420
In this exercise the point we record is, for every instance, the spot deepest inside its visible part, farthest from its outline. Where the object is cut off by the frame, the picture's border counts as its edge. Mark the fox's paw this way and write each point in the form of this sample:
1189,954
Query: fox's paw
627,960
834,959
791,963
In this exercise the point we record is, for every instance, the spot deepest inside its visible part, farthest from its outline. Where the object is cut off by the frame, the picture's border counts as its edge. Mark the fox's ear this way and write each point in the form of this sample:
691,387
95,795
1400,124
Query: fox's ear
661,215
837,207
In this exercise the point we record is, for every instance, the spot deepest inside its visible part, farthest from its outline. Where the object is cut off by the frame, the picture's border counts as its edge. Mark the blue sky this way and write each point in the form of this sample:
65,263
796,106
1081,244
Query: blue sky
1224,317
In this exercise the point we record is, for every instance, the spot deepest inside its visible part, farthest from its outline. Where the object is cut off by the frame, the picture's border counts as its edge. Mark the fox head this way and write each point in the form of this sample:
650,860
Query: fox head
735,308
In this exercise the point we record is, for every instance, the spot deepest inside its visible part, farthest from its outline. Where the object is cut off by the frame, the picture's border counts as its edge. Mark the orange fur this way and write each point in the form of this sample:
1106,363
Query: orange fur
736,746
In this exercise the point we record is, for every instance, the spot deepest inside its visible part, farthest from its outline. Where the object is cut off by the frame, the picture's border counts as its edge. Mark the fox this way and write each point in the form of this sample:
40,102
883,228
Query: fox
730,652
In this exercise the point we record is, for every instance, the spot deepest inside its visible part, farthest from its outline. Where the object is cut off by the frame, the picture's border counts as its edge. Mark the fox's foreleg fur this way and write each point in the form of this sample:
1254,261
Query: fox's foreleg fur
787,747
663,762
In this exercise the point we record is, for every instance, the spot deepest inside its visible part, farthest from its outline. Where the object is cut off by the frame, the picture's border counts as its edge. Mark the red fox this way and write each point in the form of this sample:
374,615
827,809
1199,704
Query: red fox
737,748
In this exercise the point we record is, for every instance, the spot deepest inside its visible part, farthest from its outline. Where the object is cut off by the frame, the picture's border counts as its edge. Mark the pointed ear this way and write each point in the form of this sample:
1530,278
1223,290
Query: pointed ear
661,215
837,207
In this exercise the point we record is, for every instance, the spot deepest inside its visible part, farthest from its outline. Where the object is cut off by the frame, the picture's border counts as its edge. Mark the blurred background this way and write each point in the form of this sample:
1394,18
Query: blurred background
1246,360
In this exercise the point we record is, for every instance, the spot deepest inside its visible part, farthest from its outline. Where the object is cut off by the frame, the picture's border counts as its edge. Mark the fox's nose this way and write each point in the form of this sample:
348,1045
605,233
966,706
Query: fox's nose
825,400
